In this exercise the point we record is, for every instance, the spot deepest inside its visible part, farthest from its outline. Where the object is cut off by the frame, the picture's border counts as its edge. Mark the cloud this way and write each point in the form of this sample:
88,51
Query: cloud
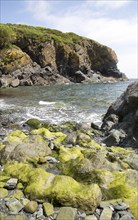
114,4
88,18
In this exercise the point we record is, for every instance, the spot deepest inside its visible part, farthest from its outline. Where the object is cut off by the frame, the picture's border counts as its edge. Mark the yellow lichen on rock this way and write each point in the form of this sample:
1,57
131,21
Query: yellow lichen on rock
41,185
66,154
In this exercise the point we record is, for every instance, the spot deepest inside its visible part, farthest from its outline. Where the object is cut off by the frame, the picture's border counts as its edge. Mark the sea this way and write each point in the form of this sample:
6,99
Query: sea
60,103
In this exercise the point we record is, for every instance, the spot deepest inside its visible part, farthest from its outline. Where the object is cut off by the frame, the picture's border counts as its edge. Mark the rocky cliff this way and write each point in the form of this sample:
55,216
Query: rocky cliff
35,55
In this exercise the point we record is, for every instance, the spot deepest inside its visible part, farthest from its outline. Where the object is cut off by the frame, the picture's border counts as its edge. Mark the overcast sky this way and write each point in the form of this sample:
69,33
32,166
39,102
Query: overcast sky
111,22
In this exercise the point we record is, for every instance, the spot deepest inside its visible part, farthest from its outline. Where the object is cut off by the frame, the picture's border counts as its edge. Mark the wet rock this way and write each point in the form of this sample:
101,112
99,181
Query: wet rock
31,207
11,183
14,205
67,213
48,209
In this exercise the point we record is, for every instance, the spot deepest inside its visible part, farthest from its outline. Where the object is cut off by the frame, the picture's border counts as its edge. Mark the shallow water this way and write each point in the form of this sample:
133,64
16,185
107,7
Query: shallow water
59,103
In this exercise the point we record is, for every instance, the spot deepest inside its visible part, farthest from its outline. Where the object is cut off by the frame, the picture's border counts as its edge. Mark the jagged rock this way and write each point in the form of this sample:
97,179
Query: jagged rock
125,108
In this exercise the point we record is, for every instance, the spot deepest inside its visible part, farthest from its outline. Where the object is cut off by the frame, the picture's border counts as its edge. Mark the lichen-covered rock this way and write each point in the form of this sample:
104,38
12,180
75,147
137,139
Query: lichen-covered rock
20,147
48,209
67,213
67,154
41,185
14,205
3,193
31,207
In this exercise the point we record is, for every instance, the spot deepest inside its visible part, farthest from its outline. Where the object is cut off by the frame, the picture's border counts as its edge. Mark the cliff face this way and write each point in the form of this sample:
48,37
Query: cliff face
41,56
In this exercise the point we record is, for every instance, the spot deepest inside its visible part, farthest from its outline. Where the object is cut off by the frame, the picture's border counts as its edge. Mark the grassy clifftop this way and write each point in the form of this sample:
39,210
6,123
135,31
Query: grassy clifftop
39,34
48,53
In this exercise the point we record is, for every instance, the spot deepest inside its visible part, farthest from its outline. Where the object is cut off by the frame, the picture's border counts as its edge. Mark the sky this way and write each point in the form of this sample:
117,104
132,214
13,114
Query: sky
110,22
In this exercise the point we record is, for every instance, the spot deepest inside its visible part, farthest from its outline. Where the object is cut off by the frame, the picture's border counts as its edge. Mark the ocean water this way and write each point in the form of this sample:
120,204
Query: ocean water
60,103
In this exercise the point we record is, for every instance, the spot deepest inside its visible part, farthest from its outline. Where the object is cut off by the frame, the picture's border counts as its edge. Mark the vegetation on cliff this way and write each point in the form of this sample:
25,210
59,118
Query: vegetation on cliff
50,56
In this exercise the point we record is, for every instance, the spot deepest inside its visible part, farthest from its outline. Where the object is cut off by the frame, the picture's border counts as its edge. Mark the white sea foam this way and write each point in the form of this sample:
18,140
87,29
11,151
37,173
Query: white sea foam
46,103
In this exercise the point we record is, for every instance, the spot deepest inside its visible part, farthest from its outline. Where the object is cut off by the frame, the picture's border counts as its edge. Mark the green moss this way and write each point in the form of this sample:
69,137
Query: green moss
18,194
48,209
41,185
2,184
3,193
57,136
119,150
16,136
66,154
20,186
118,188
43,131
35,123
133,204
1,146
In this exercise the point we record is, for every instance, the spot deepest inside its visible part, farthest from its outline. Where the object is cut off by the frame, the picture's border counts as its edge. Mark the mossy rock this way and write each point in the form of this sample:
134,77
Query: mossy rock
3,193
16,136
31,207
48,209
41,185
18,194
34,123
67,154
22,148
119,150
82,170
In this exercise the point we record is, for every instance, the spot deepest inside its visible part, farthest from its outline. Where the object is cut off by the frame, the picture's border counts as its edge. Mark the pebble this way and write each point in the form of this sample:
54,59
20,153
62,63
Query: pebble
121,206
11,183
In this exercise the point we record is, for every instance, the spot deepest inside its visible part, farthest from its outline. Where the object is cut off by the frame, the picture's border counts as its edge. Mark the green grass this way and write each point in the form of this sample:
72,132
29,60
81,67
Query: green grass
41,34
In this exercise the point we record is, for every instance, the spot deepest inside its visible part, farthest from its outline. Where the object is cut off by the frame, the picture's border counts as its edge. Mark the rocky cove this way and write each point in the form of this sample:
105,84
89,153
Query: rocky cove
70,170
74,171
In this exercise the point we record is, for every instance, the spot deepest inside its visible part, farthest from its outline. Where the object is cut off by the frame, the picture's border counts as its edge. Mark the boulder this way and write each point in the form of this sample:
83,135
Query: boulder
19,147
125,118
41,185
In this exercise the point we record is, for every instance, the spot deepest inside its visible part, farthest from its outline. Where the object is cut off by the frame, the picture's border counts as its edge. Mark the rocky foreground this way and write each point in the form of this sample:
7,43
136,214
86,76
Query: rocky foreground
39,56
61,172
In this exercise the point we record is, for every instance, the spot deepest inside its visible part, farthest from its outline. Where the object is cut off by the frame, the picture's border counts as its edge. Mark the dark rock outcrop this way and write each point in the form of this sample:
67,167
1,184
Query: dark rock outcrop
121,120
55,57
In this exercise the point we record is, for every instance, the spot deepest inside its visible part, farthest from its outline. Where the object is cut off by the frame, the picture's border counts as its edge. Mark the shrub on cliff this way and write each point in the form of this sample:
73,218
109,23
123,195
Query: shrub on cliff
7,36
